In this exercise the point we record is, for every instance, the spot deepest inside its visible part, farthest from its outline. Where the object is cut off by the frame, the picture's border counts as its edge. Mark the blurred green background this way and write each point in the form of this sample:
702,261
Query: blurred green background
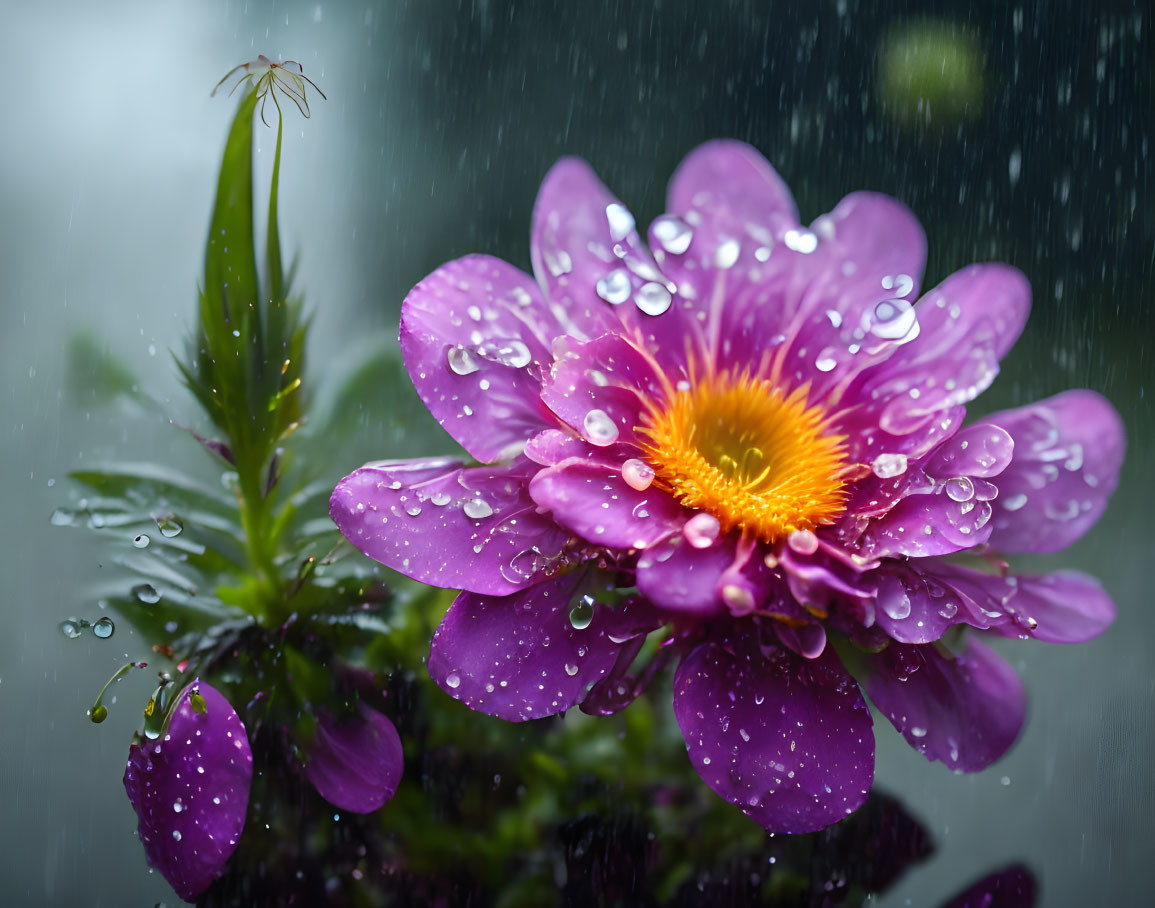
1016,132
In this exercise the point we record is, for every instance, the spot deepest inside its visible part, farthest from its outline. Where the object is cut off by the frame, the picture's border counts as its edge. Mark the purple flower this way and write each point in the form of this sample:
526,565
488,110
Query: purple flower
749,433
356,764
190,789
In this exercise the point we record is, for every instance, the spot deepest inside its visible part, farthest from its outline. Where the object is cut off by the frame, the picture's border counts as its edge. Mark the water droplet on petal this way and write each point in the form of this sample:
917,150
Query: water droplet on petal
887,466
615,287
726,255
453,680
800,241
620,220
1014,502
826,360
960,488
804,542
462,360
638,474
599,428
894,320
571,669
582,613
672,233
652,298
103,628
701,530
477,509
918,732
510,353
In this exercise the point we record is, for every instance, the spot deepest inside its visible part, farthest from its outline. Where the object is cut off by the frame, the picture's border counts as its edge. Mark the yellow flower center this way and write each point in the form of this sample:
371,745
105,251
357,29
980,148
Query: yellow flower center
757,459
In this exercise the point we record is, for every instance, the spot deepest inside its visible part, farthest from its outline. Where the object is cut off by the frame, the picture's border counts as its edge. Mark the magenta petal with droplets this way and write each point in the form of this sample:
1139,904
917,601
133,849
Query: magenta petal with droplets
563,386
356,763
963,710
190,791
789,740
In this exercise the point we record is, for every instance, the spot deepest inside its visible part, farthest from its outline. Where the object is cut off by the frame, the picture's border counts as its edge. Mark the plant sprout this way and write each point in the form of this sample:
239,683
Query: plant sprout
265,76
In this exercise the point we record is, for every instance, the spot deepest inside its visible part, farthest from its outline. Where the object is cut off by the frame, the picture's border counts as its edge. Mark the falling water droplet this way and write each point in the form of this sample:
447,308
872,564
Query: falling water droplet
103,628
600,429
638,474
461,360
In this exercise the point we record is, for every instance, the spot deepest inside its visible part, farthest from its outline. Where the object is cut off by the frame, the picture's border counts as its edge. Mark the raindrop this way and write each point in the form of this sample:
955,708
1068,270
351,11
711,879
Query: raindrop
638,474
620,219
453,680
600,429
73,627
672,233
141,541
477,509
511,353
887,466
615,286
826,360
960,488
146,593
726,255
461,360
103,628
582,613
800,241
894,320
652,298
701,530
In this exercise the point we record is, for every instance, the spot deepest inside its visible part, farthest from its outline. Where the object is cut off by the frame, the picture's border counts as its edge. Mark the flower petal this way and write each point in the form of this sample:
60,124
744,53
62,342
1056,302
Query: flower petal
475,529
475,337
595,502
587,253
786,739
675,575
1063,607
1067,455
966,324
356,764
190,791
912,607
963,710
521,657
1011,887
600,388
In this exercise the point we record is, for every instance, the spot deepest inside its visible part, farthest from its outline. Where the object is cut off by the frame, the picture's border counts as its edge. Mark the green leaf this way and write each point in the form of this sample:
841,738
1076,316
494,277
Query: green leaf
151,485
94,374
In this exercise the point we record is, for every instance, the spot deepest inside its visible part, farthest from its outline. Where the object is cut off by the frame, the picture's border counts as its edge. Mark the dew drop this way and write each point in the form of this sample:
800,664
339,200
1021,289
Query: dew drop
800,241
894,320
72,628
726,255
582,613
960,488
887,466
826,360
461,360
638,474
600,429
510,353
169,527
141,541
672,233
701,530
571,669
453,680
441,498
103,628
652,298
477,509
146,593
615,287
